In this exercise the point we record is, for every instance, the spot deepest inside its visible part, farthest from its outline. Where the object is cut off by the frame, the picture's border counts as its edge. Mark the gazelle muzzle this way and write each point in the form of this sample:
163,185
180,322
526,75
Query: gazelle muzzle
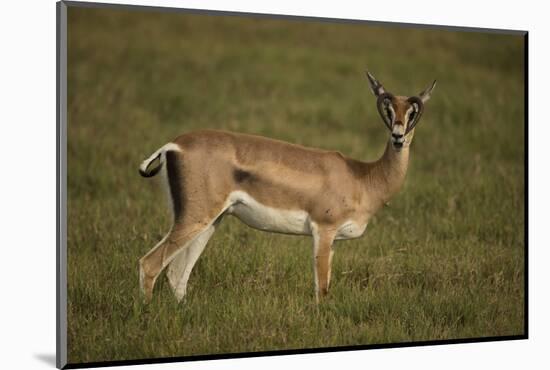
398,134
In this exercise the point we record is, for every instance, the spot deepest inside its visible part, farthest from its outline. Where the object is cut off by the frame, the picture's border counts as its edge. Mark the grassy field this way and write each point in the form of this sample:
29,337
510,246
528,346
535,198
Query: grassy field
444,261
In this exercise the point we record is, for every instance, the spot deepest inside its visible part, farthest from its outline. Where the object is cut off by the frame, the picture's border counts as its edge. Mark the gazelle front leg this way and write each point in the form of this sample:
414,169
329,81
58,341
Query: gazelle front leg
322,259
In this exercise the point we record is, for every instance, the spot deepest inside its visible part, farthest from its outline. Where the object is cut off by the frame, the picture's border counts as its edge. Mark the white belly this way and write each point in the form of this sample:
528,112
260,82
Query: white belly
265,218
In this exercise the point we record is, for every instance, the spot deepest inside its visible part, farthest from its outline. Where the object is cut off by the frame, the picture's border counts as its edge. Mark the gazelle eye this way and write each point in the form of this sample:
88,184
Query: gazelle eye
411,116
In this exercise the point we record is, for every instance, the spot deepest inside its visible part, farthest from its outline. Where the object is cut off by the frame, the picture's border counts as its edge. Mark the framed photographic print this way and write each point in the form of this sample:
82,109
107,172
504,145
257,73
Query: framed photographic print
235,184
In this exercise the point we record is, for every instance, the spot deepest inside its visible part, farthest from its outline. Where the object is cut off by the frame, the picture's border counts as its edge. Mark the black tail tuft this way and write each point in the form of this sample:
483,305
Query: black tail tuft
145,169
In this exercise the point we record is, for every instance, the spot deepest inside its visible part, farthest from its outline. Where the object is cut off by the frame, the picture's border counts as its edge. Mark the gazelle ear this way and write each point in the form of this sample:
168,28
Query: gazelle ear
375,86
426,94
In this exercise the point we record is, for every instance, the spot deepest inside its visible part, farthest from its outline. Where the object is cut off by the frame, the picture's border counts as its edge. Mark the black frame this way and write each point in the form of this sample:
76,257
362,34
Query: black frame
61,191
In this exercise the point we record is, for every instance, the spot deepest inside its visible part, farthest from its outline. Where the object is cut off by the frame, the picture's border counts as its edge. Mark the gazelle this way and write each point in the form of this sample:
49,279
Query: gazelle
274,186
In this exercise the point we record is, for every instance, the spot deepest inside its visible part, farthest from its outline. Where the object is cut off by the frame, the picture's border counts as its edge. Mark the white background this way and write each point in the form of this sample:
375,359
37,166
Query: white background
27,182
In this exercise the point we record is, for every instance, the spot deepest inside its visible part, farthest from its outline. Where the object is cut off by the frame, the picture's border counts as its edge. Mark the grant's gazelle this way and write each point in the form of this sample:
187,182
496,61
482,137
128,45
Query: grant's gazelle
274,186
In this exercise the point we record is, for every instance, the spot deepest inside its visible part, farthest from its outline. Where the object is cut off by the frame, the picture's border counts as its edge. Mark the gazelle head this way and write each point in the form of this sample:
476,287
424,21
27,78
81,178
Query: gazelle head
400,113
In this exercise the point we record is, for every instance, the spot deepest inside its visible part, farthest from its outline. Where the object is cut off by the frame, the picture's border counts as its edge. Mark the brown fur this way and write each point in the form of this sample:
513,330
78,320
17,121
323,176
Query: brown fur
330,187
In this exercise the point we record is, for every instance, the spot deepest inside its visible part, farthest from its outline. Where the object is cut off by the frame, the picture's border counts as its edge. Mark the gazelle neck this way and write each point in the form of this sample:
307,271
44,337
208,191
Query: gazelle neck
387,174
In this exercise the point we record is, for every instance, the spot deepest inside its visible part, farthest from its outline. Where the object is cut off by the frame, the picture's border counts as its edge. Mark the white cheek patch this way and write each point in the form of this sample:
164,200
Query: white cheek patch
411,114
408,114
392,116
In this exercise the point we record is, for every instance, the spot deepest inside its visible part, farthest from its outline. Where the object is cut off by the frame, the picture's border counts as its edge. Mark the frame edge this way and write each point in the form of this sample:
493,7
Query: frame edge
61,184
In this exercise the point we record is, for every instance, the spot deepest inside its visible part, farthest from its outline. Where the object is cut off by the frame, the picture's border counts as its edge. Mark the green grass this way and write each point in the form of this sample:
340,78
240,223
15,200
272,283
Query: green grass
444,261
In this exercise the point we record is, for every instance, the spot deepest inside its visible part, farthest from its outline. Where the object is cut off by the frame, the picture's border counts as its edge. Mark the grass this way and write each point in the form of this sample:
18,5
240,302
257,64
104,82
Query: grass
444,261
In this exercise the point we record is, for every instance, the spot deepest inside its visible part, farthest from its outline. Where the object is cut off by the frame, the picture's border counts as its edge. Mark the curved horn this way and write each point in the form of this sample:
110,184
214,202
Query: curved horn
418,101
380,106
426,94
375,86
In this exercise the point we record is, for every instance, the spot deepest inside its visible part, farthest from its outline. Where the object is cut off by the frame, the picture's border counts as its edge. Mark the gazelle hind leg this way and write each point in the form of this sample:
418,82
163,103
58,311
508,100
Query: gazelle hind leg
145,283
180,268
177,267
152,264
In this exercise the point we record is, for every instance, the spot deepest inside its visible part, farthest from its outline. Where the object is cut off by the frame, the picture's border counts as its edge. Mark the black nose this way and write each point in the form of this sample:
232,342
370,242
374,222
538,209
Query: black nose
396,136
